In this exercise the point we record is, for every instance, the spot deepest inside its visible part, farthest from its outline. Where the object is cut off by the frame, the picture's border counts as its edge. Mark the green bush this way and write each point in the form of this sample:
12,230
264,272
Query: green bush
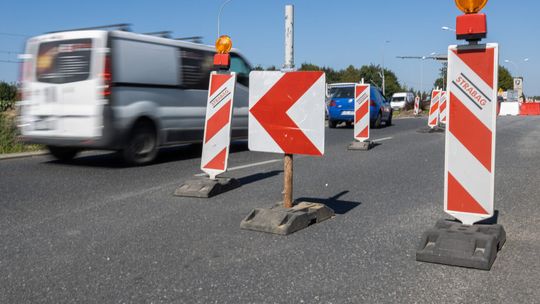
8,95
9,143
7,105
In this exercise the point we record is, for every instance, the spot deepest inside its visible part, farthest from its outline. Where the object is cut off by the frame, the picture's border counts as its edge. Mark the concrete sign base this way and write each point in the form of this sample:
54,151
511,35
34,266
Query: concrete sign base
283,221
204,187
361,145
452,243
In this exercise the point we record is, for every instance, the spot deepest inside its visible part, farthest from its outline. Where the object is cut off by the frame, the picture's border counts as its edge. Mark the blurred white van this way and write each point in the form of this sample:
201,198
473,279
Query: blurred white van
118,90
401,100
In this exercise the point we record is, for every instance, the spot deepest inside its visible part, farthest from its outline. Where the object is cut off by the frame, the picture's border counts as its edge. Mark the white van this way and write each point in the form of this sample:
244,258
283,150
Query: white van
401,100
117,90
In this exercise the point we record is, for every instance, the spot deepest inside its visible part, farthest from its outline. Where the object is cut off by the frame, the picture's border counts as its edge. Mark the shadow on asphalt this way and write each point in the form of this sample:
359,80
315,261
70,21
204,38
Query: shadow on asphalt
492,220
339,206
246,180
169,154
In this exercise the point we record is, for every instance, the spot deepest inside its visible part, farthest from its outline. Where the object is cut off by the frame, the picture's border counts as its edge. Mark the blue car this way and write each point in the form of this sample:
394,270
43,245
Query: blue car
340,106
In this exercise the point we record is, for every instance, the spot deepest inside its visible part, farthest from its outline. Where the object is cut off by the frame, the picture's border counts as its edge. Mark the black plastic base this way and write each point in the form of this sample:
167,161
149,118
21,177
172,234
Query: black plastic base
204,187
435,129
283,221
452,243
361,145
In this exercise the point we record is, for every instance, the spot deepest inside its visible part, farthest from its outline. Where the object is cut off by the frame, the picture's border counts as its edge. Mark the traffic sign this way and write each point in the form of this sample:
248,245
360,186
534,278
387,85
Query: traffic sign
362,98
417,105
433,119
217,126
286,112
470,139
443,107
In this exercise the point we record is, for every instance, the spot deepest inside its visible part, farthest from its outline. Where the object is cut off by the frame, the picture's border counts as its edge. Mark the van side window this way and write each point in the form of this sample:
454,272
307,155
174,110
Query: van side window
242,69
137,62
195,68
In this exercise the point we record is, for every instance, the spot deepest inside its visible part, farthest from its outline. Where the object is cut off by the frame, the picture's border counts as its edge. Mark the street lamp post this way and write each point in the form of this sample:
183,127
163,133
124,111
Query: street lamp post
447,28
383,76
219,16
518,70
422,71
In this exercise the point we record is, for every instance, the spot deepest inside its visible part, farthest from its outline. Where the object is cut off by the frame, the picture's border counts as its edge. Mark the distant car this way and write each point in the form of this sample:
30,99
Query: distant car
401,100
341,106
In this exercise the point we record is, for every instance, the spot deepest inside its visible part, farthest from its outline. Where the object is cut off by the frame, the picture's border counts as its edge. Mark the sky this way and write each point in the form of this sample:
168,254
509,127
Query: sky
334,33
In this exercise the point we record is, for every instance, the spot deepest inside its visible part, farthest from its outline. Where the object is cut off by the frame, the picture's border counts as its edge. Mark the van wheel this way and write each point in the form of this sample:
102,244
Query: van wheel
63,153
141,146
332,124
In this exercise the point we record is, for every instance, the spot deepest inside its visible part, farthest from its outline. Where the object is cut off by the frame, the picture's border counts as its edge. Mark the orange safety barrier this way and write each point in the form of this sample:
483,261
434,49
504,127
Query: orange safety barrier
529,109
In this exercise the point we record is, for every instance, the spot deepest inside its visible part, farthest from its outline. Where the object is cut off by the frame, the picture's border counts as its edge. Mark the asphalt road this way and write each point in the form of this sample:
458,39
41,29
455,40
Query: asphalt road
96,231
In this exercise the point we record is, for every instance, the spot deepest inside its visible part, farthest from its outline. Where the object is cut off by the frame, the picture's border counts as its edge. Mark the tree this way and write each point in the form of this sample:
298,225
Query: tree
351,74
506,80
372,74
309,67
441,81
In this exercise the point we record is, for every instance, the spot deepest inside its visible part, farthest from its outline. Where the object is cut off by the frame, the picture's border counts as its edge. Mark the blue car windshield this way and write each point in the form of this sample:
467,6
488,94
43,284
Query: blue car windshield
345,92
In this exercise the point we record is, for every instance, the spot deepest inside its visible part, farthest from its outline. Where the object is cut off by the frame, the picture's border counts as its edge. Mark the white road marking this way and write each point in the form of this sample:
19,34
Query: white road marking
383,139
248,166
266,162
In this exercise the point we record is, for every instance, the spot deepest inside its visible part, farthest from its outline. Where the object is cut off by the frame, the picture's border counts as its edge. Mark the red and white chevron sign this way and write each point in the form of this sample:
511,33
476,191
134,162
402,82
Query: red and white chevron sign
470,133
217,127
286,112
416,105
362,97
433,119
443,107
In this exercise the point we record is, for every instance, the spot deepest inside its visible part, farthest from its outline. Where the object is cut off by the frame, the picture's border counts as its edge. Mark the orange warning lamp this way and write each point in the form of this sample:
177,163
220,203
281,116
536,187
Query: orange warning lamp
222,59
471,6
472,26
223,44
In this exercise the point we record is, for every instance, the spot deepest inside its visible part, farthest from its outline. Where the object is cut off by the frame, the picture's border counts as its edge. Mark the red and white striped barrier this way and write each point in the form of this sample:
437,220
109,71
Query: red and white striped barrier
433,119
470,134
443,107
217,126
416,105
362,99
530,108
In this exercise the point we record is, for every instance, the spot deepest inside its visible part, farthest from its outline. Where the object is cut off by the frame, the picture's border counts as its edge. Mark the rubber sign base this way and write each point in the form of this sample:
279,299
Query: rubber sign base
431,130
452,243
205,187
361,145
283,221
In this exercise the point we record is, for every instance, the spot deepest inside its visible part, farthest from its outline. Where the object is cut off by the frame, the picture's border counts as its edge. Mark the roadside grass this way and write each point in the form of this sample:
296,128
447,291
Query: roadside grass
9,143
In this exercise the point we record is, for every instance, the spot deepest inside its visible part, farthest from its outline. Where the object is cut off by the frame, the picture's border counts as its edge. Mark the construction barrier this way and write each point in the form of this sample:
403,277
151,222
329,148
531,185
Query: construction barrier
529,109
509,108
217,129
362,99
443,107
433,119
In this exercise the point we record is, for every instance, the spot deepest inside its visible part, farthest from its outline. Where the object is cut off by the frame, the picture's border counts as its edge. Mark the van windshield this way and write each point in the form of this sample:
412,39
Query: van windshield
397,99
344,92
64,61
